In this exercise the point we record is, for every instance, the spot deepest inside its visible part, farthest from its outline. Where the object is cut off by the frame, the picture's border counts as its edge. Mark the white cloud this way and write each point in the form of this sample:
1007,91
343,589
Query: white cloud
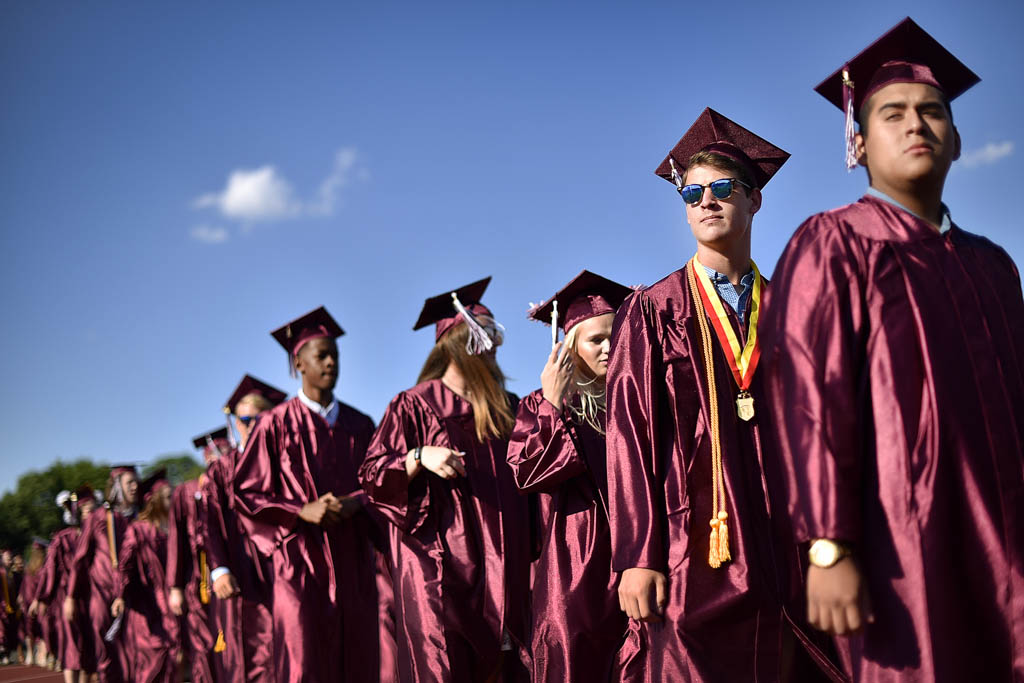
253,195
263,194
209,234
989,154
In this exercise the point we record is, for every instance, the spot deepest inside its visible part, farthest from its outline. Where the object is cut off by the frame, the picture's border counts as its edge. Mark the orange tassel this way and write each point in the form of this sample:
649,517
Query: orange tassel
220,645
713,558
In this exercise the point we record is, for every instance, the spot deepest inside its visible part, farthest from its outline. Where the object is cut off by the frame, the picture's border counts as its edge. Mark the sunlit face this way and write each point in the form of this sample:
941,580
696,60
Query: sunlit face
245,409
720,223
18,563
593,341
164,493
910,137
317,362
85,507
130,487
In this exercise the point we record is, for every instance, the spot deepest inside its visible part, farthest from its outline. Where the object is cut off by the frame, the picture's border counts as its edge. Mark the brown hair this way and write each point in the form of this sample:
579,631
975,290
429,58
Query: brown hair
724,164
36,557
485,383
155,511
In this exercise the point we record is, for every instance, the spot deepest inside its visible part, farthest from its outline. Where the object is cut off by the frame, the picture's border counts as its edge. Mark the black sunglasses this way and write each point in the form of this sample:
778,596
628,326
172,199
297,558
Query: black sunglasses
721,189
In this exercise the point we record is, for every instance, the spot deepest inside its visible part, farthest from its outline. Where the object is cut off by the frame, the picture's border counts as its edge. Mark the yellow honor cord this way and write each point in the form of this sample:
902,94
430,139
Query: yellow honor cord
718,546
204,579
220,645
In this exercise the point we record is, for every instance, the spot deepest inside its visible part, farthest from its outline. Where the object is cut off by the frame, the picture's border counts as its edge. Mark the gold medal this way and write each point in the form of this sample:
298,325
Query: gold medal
745,406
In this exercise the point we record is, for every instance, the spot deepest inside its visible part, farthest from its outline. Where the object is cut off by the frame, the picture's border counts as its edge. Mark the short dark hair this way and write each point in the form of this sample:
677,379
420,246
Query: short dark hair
724,164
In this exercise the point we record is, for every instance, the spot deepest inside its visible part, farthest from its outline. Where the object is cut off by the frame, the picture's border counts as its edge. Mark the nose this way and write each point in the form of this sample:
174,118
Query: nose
708,199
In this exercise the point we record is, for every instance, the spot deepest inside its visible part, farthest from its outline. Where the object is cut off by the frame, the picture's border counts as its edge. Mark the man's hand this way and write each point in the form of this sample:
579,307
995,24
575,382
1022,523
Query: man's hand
643,594
117,608
324,511
69,608
176,601
225,586
837,599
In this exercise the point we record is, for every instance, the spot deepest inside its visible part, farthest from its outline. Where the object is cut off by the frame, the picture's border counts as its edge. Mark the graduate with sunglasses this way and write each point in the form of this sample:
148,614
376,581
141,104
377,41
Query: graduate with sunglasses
242,625
297,496
691,530
557,452
894,358
460,529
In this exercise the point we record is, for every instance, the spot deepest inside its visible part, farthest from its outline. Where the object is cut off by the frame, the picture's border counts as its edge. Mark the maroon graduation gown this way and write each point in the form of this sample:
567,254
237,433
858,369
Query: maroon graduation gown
461,547
94,581
895,360
723,624
186,565
150,633
71,649
577,624
324,596
243,621
32,626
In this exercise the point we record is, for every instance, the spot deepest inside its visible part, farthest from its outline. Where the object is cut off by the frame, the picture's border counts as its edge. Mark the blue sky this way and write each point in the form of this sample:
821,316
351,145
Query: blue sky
180,178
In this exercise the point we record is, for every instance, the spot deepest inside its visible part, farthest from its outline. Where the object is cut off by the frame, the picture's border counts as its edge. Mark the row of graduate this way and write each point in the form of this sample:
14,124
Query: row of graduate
719,479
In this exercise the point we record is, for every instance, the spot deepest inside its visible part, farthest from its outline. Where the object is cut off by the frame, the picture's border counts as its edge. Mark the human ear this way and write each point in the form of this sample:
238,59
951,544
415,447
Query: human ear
860,149
755,201
956,144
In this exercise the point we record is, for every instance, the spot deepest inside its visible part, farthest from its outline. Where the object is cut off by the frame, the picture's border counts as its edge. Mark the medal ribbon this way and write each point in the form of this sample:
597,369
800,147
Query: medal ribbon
742,362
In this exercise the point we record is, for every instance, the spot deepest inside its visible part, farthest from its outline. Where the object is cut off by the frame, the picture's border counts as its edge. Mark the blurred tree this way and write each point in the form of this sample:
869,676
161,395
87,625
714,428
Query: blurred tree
180,467
29,510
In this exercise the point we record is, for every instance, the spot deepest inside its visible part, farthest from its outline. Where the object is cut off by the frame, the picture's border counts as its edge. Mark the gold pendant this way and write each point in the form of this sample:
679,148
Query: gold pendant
745,406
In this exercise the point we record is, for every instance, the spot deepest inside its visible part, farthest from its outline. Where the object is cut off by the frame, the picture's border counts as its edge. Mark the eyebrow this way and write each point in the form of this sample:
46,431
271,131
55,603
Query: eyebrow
926,104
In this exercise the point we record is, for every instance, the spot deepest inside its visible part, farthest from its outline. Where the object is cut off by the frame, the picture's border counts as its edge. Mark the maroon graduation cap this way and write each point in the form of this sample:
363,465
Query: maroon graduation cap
712,132
316,324
149,485
252,385
218,440
587,295
905,54
117,470
447,310
79,495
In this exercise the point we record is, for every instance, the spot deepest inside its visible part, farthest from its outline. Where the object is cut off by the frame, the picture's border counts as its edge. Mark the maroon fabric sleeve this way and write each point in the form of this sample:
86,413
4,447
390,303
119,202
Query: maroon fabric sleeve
541,451
48,575
78,579
813,349
633,440
127,560
406,424
215,502
179,547
266,515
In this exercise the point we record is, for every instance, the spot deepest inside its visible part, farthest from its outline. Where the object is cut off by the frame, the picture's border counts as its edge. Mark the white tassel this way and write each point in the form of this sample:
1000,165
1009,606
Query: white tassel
554,323
851,149
676,178
211,442
231,429
479,341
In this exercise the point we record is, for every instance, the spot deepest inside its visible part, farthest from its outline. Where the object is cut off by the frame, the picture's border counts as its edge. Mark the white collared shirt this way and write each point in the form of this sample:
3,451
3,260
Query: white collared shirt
947,222
328,412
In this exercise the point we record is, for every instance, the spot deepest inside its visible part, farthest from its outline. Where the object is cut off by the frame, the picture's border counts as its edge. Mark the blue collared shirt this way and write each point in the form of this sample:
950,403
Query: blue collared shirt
878,194
737,300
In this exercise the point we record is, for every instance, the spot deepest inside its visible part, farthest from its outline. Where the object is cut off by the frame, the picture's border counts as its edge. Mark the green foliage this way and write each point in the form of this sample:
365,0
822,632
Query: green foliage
180,467
29,510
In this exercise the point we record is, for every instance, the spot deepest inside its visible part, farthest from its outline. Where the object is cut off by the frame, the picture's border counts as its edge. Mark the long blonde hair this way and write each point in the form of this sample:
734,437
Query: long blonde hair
485,383
591,392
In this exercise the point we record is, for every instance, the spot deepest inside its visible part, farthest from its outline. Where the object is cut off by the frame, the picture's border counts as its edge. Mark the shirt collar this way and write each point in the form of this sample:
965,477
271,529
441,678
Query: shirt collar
716,277
328,412
947,222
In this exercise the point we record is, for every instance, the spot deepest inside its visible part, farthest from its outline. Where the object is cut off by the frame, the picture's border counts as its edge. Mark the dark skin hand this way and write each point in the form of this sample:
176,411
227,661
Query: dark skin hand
324,511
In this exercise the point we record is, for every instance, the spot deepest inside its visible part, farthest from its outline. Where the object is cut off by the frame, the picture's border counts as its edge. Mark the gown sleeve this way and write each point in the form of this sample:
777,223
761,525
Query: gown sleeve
127,561
78,578
541,451
48,575
633,442
266,515
813,355
212,509
179,549
406,424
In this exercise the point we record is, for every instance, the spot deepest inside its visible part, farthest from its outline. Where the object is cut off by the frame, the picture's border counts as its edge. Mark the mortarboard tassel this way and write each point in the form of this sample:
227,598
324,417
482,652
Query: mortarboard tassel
851,150
676,178
554,323
479,341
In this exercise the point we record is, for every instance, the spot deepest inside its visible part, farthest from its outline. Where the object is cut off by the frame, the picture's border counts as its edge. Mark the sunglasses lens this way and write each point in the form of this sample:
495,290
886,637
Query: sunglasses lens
722,188
692,193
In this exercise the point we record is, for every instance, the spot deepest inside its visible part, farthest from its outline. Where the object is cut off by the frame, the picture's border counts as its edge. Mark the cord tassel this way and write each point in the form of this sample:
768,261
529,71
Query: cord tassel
851,148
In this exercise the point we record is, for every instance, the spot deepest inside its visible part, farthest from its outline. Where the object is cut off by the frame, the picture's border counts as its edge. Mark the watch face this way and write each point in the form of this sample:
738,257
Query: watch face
824,554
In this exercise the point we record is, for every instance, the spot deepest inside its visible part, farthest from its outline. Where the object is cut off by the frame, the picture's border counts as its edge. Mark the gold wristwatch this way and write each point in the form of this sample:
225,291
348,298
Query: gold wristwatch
825,553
